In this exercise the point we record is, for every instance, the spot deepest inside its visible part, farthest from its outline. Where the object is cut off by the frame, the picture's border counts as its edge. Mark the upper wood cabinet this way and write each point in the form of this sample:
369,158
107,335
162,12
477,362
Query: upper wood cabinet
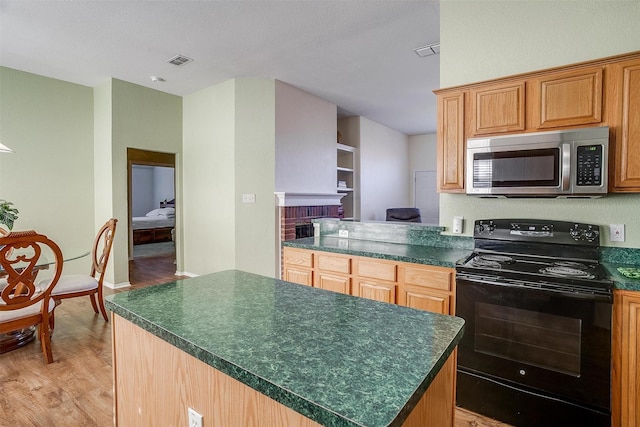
567,99
451,142
624,93
497,108
603,92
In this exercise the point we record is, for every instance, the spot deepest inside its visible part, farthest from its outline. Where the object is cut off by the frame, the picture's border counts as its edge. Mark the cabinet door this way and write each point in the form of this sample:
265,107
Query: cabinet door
497,108
567,99
450,148
625,125
625,393
297,275
333,283
379,291
425,299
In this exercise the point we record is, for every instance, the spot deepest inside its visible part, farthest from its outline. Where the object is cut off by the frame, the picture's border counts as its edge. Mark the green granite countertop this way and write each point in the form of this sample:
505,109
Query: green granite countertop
620,281
418,254
337,359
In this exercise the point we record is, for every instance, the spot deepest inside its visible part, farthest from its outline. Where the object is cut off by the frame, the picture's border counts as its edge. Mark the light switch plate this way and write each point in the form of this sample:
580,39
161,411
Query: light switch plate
248,198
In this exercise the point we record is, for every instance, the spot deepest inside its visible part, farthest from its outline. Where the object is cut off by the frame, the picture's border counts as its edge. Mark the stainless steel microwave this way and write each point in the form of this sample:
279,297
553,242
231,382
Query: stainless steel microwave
565,163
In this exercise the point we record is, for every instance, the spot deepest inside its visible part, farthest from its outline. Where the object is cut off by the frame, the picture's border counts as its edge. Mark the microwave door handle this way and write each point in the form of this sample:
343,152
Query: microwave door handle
566,166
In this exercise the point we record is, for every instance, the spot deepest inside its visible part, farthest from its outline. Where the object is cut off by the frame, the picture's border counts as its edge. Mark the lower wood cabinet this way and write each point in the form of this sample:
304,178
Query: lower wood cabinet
625,392
297,266
379,291
427,288
419,286
332,282
417,297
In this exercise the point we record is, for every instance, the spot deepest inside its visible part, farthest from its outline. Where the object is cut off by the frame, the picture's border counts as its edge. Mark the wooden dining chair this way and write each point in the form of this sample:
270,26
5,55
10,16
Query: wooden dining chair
78,285
23,303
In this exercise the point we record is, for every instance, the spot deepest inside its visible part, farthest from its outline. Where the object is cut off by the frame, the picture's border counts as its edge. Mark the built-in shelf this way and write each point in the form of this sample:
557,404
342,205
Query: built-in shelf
346,170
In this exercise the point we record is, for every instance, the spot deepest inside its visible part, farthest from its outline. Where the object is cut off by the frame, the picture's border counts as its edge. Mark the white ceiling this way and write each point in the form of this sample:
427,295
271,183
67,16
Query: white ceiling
357,54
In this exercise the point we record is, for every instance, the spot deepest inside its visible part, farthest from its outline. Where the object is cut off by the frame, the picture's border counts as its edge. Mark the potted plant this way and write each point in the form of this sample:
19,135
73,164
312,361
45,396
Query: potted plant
8,214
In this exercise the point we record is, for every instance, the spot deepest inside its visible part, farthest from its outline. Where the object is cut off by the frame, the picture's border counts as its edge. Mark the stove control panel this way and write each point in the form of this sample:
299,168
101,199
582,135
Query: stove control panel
586,232
542,231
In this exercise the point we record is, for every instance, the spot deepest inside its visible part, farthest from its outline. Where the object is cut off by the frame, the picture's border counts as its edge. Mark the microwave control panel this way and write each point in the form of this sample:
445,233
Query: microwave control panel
589,165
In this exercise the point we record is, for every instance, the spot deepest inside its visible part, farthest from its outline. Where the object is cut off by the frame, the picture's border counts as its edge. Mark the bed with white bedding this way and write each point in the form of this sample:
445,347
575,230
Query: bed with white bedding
155,226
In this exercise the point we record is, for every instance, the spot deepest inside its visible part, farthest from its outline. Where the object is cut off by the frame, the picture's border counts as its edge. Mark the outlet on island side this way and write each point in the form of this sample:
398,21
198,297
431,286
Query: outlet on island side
616,232
343,233
195,419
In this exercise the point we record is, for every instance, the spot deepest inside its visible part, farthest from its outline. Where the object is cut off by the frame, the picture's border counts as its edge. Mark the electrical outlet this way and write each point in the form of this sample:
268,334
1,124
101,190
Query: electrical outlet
195,419
248,198
343,233
616,232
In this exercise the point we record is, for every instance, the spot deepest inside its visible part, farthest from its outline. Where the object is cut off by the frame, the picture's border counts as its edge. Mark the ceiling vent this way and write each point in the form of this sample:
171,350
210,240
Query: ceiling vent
428,50
179,60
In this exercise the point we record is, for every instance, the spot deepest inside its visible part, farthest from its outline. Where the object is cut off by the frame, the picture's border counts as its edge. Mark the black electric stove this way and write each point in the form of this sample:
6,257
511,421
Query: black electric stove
537,305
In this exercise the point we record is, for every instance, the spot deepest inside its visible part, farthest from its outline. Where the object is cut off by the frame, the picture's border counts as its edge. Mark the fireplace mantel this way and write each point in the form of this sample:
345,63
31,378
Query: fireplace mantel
308,199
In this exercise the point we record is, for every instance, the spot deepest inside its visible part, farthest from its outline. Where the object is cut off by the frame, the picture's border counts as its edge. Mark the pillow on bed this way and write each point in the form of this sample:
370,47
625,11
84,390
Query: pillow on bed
168,212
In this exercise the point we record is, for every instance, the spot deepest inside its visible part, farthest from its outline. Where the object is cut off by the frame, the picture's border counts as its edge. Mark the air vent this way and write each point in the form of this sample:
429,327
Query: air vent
432,49
179,60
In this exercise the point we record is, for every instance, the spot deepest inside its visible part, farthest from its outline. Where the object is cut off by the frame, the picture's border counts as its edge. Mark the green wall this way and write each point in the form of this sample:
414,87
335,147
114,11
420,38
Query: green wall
490,39
141,118
229,150
49,177
209,179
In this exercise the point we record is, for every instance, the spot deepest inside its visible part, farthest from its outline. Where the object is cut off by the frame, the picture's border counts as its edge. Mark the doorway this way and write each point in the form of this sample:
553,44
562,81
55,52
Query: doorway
151,208
426,196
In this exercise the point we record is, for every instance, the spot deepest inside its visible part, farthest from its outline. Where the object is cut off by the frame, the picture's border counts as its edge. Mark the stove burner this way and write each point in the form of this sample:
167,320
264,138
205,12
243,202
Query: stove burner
571,264
497,258
563,271
490,261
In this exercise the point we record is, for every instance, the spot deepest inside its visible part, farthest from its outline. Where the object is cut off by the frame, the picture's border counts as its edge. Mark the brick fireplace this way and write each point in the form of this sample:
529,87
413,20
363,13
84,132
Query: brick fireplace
296,210
296,220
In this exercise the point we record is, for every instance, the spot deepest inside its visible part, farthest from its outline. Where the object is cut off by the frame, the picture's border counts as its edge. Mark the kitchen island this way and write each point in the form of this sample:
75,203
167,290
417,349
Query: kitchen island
243,349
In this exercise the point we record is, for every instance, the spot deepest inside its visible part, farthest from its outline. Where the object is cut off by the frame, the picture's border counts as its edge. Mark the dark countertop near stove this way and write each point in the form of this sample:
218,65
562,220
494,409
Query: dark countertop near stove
621,281
417,254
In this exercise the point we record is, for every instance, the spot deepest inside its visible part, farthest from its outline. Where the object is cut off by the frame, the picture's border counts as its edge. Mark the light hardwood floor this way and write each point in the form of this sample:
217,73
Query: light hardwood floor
76,389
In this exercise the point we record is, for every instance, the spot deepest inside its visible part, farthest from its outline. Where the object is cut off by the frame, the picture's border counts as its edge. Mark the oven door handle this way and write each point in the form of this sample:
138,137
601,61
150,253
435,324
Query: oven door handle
495,281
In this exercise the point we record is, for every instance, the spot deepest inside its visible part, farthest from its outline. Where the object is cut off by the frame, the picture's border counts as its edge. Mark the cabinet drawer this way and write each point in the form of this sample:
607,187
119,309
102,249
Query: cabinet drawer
338,264
377,270
435,278
299,258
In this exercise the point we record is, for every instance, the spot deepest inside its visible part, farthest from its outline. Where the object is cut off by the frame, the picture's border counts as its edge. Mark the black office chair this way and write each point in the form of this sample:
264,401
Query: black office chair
404,214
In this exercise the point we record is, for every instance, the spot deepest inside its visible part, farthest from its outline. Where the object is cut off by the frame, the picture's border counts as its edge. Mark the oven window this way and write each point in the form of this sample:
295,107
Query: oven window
527,168
539,339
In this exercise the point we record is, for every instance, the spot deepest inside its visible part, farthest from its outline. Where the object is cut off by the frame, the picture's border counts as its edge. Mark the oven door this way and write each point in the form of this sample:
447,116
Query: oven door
545,342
